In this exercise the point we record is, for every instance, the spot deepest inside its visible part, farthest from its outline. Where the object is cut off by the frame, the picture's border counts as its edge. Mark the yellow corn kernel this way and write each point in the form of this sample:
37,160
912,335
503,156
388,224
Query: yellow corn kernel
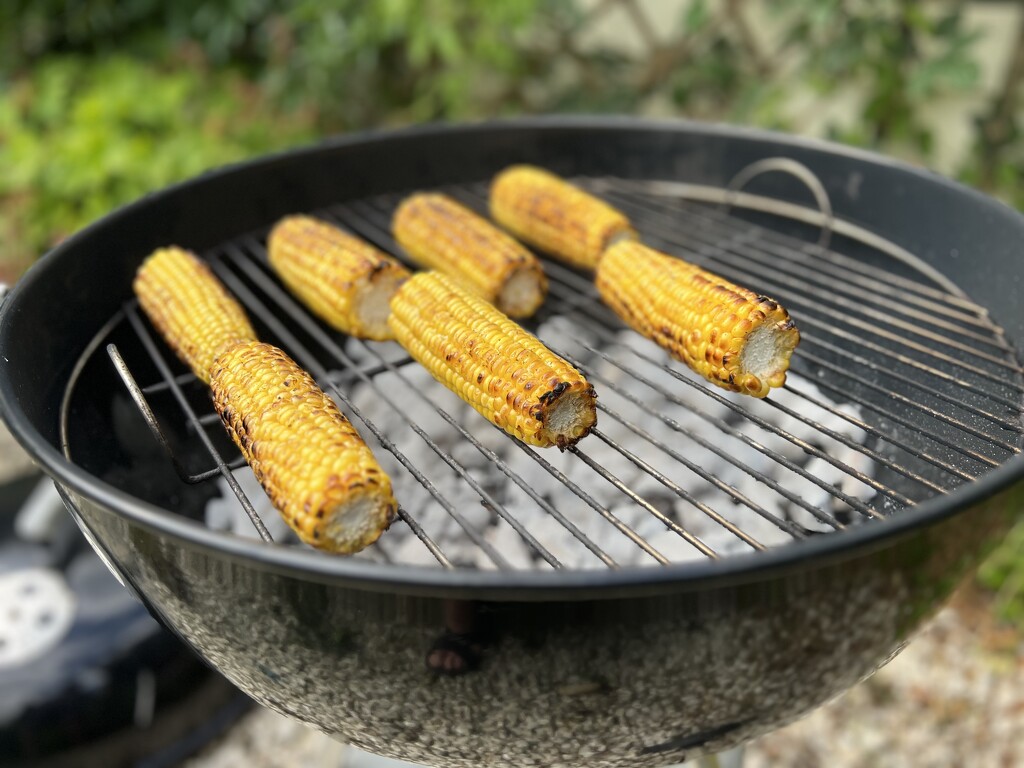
729,335
441,234
344,280
190,308
317,471
547,212
505,373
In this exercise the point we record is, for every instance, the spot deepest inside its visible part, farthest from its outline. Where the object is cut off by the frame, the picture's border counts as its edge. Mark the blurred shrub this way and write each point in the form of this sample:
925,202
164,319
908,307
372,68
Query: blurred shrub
1003,573
80,136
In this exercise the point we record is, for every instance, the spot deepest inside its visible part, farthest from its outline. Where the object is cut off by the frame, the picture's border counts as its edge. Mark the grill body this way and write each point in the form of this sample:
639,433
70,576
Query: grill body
607,668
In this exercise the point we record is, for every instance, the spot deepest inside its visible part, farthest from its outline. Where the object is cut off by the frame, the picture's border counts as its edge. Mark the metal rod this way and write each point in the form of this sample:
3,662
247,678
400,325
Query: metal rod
732,432
225,471
679,491
725,488
690,538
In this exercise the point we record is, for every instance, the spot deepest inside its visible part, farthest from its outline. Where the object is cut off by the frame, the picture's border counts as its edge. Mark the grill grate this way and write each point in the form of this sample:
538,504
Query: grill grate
903,389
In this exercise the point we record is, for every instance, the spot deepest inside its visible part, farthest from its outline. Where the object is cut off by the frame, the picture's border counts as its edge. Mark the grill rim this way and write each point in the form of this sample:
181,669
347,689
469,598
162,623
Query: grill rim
817,552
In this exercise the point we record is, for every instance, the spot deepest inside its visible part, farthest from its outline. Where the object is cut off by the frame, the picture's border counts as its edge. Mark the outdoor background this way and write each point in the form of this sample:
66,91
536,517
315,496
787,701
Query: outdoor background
102,101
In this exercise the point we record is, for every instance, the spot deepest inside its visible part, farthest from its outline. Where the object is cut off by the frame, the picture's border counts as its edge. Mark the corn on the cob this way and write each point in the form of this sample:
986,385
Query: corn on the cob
547,212
505,373
344,280
308,457
441,234
729,335
191,309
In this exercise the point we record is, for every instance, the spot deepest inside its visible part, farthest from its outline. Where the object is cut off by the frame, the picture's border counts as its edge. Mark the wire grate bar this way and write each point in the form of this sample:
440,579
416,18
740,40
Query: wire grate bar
771,428
423,536
691,539
725,488
591,502
933,413
721,453
678,490
875,432
917,364
1001,421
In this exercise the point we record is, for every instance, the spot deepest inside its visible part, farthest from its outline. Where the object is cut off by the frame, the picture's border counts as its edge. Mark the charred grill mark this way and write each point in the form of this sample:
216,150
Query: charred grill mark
549,397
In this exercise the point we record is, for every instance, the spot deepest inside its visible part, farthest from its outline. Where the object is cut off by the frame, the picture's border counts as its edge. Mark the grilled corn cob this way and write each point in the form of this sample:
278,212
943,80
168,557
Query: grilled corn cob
441,234
191,309
344,280
308,457
543,210
729,335
506,374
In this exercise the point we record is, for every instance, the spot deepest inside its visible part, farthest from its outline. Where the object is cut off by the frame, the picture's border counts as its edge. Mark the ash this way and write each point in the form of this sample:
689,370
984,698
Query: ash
677,468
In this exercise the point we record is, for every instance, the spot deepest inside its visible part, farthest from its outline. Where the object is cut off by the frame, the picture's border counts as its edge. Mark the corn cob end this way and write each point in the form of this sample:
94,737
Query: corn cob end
766,350
567,412
345,281
373,303
524,291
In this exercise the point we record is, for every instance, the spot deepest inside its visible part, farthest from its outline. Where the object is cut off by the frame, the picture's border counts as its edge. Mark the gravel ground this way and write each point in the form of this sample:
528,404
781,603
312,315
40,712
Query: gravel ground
954,697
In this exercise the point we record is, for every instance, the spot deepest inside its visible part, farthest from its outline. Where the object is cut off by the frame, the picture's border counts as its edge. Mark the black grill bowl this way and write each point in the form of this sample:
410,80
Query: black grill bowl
636,667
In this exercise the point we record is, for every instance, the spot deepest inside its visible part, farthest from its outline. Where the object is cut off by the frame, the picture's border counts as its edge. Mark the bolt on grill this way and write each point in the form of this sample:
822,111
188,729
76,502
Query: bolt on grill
890,352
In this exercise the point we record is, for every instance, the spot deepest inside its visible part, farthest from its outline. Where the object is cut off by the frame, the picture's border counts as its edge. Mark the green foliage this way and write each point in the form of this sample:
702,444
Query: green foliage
399,60
898,57
1003,573
81,136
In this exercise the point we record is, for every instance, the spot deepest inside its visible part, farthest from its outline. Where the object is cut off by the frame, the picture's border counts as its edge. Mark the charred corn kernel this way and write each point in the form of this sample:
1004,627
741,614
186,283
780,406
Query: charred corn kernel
547,212
441,234
344,280
729,335
308,457
190,308
505,373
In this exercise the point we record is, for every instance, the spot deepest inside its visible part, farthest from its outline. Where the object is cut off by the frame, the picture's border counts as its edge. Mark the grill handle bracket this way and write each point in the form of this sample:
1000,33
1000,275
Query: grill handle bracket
799,171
